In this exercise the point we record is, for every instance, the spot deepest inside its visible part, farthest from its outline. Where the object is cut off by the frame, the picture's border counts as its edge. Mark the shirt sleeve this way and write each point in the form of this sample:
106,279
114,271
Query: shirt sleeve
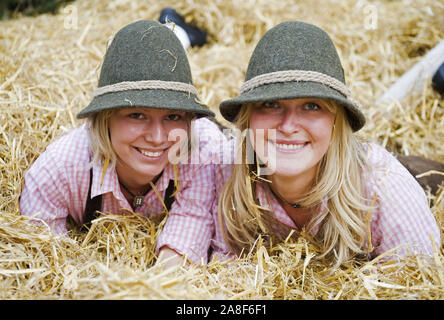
189,227
402,216
44,194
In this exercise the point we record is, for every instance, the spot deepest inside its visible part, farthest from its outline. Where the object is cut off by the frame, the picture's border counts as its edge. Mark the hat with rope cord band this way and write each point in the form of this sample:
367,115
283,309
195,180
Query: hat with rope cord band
146,66
295,60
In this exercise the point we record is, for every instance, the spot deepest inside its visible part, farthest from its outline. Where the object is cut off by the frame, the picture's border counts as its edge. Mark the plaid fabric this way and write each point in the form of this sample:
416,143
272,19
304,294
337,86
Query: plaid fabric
401,214
57,184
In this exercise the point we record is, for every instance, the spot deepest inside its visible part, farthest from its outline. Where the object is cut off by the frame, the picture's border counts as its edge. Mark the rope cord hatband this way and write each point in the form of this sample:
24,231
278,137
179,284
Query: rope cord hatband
295,75
146,85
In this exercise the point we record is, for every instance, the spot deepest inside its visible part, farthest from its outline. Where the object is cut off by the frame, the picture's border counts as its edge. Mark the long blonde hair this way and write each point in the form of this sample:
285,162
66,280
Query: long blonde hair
338,179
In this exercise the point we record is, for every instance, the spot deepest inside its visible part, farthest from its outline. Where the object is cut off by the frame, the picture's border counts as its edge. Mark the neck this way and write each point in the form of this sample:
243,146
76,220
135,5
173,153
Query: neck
291,189
136,184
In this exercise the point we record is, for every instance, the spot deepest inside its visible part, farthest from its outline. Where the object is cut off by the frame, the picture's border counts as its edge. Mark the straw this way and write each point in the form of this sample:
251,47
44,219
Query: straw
49,70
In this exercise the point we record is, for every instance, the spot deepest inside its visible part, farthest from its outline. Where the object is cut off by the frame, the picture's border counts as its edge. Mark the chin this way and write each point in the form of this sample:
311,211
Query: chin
154,171
288,168
150,171
287,171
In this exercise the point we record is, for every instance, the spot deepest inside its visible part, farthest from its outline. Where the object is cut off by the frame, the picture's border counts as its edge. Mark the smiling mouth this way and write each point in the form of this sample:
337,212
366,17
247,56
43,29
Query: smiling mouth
151,154
291,146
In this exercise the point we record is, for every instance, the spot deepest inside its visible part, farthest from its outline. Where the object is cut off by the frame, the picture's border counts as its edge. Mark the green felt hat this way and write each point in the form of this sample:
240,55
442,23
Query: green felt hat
146,66
295,60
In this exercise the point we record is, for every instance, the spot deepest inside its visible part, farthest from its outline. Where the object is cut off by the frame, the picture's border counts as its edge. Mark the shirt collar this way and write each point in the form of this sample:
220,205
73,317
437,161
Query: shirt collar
104,182
110,182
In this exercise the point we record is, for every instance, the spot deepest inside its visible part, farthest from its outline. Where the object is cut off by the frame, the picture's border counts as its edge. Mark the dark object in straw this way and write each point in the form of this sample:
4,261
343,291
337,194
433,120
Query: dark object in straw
438,80
417,165
198,37
9,8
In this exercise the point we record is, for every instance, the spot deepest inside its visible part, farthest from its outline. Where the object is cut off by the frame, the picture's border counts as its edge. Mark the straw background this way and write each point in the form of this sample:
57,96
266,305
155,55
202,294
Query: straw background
49,68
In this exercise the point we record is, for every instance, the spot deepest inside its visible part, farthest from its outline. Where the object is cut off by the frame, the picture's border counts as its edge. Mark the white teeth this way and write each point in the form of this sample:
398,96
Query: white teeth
290,146
151,154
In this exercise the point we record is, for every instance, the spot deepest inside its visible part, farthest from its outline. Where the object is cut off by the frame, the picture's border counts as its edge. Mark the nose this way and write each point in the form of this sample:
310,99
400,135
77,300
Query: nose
156,133
290,121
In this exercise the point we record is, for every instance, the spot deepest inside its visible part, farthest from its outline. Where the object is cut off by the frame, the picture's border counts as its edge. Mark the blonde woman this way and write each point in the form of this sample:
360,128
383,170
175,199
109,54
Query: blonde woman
125,158
300,166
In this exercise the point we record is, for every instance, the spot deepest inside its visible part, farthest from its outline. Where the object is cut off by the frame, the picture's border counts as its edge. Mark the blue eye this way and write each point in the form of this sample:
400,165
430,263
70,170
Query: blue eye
174,117
312,106
136,115
270,104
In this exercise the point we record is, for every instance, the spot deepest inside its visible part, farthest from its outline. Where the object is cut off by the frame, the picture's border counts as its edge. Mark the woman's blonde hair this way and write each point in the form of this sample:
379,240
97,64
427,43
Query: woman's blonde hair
338,179
99,139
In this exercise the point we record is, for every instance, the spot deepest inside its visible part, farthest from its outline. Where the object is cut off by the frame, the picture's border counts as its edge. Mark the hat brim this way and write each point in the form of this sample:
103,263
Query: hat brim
229,109
158,99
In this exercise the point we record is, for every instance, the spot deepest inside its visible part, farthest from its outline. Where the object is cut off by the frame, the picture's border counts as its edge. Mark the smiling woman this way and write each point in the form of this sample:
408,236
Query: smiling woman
119,161
302,131
310,173
140,138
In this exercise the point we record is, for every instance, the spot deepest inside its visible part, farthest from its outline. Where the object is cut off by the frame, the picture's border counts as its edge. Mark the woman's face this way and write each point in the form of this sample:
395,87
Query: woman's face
141,140
291,136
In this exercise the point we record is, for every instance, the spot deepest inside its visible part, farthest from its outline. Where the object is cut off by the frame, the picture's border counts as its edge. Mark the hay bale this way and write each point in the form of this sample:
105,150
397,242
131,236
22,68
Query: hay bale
50,66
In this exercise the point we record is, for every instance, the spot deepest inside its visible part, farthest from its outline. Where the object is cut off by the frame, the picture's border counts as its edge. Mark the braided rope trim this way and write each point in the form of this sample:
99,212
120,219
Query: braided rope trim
145,85
295,75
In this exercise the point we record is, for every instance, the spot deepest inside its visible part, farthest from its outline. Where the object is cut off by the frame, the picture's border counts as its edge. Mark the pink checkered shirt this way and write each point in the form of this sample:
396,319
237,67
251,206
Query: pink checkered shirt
57,185
401,215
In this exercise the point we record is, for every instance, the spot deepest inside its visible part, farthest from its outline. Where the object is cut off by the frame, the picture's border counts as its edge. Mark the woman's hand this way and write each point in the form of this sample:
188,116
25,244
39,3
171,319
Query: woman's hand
169,258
